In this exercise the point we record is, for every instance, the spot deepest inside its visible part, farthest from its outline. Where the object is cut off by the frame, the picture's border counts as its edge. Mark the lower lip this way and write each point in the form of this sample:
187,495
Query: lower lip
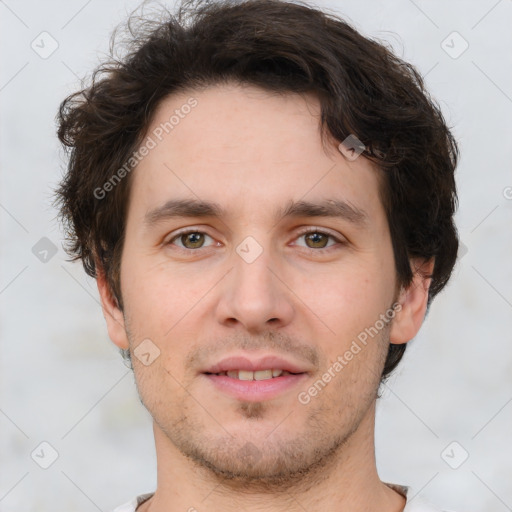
255,390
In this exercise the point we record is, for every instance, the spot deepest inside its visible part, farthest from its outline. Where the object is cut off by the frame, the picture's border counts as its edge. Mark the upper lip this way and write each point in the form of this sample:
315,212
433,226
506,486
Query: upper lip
255,364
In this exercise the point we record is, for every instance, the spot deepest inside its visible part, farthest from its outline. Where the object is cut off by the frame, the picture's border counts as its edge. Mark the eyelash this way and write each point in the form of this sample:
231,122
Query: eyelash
302,233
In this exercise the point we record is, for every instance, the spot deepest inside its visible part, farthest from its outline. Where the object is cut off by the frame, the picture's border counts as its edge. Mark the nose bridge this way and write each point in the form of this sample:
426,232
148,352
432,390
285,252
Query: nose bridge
252,260
252,294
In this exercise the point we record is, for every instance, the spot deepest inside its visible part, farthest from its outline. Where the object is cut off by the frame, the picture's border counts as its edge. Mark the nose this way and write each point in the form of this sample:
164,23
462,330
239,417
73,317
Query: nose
255,294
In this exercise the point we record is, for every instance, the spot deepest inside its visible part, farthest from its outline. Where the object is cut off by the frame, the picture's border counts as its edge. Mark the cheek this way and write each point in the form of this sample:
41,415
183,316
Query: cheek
346,298
351,304
162,298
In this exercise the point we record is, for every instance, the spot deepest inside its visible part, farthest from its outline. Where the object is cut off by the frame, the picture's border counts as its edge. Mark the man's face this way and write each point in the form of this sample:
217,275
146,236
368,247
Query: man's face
254,285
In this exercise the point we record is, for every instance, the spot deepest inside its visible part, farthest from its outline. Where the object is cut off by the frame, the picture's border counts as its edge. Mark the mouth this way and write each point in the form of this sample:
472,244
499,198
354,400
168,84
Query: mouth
248,375
255,386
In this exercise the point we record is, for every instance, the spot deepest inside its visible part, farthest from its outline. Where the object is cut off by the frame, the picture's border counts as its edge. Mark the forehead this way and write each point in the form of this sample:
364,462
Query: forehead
245,148
233,124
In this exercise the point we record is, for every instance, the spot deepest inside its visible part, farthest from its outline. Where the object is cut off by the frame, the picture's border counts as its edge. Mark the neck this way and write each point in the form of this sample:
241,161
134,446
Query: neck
347,481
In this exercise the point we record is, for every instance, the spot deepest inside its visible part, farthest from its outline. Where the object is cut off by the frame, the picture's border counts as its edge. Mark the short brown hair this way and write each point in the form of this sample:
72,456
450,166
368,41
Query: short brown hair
286,47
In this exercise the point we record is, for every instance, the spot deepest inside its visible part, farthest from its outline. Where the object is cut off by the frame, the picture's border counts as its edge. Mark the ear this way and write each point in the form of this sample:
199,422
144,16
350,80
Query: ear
413,302
113,315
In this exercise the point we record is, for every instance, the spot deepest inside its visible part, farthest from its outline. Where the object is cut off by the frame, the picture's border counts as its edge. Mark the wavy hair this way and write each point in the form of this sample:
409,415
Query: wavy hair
284,47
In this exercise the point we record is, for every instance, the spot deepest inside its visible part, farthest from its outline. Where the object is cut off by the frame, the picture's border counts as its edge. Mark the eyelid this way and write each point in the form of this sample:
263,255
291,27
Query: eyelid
305,231
186,231
322,231
318,229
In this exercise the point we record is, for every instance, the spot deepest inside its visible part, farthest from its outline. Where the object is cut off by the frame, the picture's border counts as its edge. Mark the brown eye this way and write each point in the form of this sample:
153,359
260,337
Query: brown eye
195,240
317,239
189,240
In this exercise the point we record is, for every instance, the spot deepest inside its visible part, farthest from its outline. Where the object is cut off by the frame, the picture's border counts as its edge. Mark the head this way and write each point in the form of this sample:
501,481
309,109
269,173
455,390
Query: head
234,111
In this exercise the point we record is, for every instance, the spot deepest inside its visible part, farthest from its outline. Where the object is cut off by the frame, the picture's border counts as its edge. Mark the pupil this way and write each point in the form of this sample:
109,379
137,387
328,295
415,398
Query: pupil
194,238
313,237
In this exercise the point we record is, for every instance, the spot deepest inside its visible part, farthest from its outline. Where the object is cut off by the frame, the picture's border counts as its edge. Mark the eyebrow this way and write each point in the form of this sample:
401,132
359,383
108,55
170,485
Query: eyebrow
335,208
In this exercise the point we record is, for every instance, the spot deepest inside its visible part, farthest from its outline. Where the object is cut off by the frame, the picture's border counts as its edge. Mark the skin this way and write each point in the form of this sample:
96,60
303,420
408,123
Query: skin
252,151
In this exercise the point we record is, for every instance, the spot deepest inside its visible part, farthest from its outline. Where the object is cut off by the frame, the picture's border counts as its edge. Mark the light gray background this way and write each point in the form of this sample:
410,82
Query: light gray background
63,381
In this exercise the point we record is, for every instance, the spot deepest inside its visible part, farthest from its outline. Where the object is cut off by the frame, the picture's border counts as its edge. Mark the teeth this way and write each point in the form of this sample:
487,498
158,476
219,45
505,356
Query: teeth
245,375
263,374
258,375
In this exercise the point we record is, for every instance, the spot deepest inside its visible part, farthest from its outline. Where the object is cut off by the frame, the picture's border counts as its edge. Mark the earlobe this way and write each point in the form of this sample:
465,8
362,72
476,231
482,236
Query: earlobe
413,303
112,313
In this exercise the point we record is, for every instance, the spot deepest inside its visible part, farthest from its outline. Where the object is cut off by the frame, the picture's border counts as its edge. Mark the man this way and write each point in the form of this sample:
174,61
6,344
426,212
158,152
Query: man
266,200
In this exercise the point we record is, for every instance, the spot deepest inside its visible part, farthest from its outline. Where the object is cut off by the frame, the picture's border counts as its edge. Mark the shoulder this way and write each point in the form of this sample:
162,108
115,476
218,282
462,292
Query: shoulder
414,504
419,505
132,505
